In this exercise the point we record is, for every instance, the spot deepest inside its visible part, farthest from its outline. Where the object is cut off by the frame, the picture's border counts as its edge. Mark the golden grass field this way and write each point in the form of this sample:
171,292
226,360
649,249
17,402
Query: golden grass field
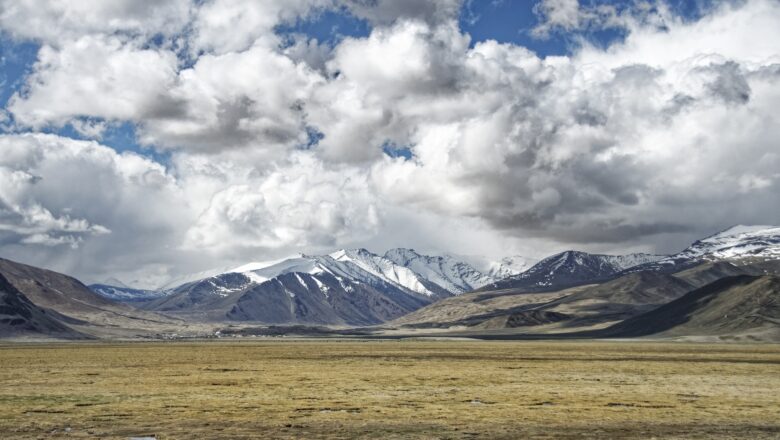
389,389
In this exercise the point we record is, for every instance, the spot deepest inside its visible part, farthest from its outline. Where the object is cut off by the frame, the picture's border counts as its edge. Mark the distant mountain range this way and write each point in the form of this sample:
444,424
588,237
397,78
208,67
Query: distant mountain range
722,287
571,268
568,292
739,244
346,287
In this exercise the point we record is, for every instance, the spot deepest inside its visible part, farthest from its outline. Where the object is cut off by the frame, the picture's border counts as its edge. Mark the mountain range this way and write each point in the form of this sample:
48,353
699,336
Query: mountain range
346,287
565,294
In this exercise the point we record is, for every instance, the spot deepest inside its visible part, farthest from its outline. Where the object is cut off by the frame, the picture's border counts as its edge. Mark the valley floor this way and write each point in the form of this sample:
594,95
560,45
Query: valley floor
390,389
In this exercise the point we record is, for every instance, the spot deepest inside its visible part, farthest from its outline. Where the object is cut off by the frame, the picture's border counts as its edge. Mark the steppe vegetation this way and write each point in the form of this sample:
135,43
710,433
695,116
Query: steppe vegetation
389,389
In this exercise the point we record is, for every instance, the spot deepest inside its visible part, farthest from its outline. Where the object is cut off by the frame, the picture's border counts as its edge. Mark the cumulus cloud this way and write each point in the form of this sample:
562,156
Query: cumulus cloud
58,194
569,15
300,205
222,26
253,98
280,145
388,12
96,76
588,148
54,21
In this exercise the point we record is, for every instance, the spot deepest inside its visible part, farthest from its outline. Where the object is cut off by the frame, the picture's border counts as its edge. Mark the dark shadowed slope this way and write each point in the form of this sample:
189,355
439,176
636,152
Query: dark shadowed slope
708,272
291,298
52,290
579,307
730,306
634,289
78,306
621,298
21,318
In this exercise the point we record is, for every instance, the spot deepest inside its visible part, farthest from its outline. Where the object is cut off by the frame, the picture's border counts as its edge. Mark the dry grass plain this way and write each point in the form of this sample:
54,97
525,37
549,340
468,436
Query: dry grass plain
389,389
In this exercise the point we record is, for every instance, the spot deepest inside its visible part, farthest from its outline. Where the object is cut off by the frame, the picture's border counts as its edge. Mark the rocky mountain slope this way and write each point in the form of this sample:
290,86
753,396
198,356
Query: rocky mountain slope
592,291
569,292
620,298
744,305
452,275
571,268
739,245
344,288
509,266
75,306
19,317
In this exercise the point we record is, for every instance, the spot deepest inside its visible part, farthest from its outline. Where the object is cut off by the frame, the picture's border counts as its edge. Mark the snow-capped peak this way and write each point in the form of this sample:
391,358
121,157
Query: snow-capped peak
509,266
571,268
737,230
628,261
446,271
384,268
257,265
735,243
115,282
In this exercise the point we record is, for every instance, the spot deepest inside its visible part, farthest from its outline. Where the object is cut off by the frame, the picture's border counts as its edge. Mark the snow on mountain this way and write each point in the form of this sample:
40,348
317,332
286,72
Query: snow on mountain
387,269
347,266
173,283
357,265
509,266
115,282
192,277
351,287
572,268
451,274
124,293
623,262
736,243
404,269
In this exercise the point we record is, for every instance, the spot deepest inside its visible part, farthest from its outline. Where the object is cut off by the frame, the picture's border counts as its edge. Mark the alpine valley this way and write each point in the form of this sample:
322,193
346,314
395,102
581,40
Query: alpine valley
724,286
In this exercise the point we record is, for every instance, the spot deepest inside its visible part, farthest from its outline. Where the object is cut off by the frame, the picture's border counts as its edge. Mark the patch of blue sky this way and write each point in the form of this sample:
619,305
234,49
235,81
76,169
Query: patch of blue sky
511,21
121,136
508,21
16,61
393,150
329,26
313,137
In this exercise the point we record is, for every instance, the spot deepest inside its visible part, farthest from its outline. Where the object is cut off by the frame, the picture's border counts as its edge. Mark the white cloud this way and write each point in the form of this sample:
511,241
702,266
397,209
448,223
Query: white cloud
588,148
95,76
116,208
298,206
569,15
253,98
222,26
657,139
54,21
388,12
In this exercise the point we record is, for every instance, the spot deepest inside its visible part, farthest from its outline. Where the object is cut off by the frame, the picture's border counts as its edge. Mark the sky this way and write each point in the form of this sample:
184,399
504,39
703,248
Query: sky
141,140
